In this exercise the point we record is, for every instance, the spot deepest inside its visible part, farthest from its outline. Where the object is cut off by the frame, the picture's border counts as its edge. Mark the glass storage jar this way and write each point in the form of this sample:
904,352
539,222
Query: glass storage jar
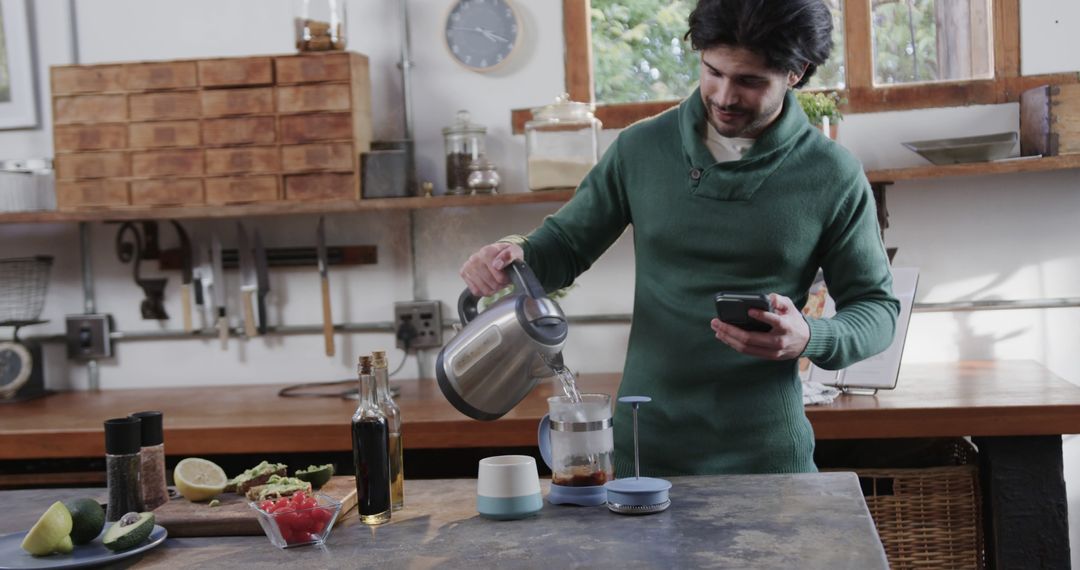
464,142
483,176
561,143
320,24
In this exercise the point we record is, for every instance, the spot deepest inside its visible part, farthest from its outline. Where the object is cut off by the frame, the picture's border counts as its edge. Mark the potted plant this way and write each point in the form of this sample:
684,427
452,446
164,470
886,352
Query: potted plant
823,109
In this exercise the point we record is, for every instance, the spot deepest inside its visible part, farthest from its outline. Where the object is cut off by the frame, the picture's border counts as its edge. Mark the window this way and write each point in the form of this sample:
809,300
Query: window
968,54
639,54
931,40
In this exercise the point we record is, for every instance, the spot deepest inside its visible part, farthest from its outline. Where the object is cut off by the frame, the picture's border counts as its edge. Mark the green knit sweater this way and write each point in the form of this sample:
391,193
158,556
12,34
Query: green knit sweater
795,202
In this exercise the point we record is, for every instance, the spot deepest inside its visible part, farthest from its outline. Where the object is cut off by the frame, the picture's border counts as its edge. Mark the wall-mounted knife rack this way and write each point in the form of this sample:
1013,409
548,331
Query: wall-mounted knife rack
172,259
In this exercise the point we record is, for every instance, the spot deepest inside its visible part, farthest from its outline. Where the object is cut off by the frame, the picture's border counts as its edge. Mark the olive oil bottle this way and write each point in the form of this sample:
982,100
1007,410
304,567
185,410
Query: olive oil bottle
393,419
371,458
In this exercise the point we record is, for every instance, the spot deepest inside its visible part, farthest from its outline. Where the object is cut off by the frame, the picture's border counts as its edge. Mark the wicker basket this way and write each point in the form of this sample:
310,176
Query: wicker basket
23,283
929,517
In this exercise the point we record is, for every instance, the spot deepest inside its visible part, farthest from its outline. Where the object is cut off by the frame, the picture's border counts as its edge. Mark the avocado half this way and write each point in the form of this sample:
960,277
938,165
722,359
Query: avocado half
130,531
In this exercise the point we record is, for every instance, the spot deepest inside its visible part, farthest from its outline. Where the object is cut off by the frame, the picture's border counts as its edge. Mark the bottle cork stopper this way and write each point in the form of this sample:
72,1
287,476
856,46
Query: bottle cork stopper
365,365
378,358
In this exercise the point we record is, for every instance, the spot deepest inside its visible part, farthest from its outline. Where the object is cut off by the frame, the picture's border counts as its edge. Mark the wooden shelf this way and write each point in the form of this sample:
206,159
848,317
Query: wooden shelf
1049,163
379,204
284,208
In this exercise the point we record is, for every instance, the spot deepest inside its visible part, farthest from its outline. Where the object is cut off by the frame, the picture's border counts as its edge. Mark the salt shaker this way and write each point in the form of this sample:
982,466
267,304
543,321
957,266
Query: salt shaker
155,492
123,439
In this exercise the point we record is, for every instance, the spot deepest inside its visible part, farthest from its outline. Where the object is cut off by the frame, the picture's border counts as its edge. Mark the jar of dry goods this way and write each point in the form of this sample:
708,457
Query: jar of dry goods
320,24
464,142
561,143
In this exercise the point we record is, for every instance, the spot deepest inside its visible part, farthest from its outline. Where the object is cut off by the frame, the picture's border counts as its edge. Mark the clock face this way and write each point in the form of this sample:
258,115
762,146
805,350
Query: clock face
481,34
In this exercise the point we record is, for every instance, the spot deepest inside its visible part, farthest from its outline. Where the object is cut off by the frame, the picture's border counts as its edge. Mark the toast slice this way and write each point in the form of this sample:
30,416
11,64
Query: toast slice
255,476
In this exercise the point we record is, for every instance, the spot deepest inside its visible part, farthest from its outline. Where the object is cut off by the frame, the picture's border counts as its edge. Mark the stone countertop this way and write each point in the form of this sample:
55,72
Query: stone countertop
817,520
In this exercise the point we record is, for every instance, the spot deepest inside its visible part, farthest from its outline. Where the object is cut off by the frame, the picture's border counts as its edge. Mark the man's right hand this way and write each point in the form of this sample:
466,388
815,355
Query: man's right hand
484,271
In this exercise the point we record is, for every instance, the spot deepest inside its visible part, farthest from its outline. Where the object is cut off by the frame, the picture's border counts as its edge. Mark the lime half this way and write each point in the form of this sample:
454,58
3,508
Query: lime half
49,532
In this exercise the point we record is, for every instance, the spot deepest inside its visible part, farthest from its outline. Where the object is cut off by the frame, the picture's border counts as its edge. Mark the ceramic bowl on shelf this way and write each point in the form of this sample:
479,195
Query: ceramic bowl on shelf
980,148
288,523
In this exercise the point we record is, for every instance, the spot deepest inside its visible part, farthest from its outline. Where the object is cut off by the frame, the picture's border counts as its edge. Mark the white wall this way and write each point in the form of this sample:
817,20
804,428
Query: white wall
1002,237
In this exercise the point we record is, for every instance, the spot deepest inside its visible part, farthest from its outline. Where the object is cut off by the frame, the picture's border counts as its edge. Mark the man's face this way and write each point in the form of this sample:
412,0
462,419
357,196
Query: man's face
742,94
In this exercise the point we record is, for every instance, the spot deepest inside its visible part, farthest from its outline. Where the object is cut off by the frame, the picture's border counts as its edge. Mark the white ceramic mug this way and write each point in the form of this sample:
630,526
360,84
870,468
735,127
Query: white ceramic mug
508,487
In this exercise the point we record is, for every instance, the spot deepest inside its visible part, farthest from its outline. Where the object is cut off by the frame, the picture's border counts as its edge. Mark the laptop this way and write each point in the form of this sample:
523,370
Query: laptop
881,371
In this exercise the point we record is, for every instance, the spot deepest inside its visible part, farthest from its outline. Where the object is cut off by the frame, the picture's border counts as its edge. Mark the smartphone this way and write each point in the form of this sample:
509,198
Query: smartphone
731,308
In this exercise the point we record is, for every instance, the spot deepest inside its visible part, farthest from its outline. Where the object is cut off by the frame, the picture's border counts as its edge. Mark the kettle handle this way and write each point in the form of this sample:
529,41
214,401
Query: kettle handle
521,276
466,306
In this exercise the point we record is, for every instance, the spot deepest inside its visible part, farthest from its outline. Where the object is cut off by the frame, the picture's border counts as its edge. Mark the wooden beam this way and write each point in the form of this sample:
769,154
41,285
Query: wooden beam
930,172
1006,38
858,45
577,29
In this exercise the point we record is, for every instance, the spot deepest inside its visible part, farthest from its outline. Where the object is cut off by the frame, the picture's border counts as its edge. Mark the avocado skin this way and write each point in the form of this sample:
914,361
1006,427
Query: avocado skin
88,518
123,538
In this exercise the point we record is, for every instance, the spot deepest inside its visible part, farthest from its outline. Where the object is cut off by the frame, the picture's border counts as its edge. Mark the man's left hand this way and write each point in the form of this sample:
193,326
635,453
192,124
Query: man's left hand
785,341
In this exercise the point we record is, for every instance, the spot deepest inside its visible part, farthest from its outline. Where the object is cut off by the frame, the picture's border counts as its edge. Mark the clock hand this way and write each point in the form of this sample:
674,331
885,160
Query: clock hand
486,33
492,36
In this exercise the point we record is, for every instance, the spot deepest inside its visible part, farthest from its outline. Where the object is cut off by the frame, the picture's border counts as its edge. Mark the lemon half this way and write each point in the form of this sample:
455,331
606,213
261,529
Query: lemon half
198,479
49,532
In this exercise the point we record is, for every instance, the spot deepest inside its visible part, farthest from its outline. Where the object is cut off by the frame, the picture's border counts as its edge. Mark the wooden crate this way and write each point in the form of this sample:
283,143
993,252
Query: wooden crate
225,102
100,193
236,71
242,189
326,156
1050,120
163,134
217,131
167,192
90,137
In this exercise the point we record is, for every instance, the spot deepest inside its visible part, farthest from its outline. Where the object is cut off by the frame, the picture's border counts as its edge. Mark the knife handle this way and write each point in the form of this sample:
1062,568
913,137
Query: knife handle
328,324
249,312
223,329
185,302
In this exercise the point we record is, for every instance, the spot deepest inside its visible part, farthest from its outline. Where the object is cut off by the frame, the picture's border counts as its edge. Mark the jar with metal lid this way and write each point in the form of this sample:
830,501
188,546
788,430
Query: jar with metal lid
483,176
464,142
320,24
561,143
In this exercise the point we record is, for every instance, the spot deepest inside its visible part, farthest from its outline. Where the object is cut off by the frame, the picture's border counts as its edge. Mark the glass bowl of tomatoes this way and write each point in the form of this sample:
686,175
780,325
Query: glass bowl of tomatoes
298,520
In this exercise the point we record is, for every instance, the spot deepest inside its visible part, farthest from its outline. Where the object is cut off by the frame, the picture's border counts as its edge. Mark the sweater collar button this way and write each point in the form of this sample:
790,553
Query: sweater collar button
695,174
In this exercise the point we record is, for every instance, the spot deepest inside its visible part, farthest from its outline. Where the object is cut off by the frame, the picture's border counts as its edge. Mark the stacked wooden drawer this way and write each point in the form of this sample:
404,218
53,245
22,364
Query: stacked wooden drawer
215,131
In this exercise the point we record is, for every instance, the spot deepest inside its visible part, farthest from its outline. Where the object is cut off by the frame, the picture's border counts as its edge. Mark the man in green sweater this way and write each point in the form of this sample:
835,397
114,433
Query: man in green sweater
732,190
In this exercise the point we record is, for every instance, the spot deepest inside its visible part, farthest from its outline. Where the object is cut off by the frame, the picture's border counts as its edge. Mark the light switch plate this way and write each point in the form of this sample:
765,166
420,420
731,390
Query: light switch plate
88,336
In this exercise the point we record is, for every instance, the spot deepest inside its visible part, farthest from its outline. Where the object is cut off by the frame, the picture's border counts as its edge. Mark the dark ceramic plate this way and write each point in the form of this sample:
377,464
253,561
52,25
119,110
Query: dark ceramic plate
94,553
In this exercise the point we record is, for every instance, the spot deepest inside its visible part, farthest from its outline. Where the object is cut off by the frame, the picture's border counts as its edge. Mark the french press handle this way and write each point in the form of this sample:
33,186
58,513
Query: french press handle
521,276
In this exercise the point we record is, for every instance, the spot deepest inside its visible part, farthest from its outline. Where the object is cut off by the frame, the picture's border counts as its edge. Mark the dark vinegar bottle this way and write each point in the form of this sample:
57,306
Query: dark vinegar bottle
371,452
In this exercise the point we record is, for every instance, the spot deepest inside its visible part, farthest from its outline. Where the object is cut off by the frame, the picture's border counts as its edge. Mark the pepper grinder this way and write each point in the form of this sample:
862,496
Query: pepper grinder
637,495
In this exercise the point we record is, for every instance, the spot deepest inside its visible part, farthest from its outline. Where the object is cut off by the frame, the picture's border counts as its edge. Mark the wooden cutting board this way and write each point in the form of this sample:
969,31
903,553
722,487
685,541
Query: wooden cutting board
233,517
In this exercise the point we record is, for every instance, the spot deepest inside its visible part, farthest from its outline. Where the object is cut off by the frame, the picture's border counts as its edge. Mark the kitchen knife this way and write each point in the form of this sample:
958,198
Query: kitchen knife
320,251
186,275
248,282
204,276
222,322
262,280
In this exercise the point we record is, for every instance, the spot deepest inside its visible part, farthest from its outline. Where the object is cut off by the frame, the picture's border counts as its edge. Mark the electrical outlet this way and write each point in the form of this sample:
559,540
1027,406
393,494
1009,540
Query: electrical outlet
425,317
88,336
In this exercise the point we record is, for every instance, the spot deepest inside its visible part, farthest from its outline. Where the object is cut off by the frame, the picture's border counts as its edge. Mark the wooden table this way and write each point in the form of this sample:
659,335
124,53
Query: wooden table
813,520
1015,411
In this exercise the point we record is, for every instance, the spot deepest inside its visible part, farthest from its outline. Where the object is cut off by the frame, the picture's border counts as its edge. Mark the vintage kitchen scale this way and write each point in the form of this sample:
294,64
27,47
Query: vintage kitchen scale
23,283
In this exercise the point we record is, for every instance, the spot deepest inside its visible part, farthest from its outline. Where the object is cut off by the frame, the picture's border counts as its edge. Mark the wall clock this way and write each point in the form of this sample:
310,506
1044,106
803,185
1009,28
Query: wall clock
482,34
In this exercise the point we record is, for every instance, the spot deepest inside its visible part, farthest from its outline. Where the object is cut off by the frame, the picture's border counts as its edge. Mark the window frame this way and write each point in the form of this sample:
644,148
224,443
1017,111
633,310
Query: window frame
861,95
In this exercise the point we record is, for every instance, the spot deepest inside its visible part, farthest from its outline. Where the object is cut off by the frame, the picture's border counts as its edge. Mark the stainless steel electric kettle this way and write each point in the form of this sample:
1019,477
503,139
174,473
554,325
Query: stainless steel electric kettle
502,352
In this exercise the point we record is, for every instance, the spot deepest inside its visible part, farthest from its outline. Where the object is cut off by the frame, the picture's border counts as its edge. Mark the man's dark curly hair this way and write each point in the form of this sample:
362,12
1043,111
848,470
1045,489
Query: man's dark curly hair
790,34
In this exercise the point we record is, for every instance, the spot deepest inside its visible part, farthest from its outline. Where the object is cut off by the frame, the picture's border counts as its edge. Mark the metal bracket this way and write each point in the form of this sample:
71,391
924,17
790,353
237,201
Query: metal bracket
153,305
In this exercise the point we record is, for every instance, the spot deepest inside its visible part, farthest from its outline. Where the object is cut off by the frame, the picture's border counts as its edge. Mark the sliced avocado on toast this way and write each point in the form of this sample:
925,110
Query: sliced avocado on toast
277,486
255,476
317,475
130,531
